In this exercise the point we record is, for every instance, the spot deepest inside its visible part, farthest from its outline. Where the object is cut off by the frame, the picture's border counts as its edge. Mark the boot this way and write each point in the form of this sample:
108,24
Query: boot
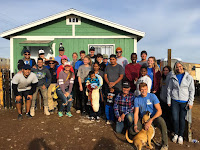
46,110
32,111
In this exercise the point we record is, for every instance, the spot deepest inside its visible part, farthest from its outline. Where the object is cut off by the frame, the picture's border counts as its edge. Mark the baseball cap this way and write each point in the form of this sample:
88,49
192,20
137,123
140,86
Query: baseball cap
92,49
64,57
26,67
41,51
67,64
105,56
26,51
61,48
126,84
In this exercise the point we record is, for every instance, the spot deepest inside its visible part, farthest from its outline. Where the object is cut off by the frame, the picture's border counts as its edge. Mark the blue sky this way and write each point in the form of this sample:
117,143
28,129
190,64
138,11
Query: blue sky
168,24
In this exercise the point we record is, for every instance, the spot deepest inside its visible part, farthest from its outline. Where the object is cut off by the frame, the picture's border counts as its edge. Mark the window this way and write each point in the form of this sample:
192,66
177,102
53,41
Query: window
73,20
103,48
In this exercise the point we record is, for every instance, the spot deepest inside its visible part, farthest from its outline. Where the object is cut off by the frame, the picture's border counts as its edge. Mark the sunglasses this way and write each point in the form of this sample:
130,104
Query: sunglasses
119,52
26,54
51,63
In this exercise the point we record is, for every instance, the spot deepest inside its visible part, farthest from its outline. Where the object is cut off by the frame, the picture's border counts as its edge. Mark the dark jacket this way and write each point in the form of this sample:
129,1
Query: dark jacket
21,63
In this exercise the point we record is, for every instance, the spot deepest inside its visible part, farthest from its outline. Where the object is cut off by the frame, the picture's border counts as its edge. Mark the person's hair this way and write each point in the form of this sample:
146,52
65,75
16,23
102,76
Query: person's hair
178,62
169,68
143,67
133,54
74,53
143,52
39,59
91,72
113,55
142,85
62,60
90,61
82,52
155,65
99,55
92,49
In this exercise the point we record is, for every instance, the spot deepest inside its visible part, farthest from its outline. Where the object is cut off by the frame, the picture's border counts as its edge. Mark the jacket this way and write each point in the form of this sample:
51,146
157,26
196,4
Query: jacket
185,91
156,81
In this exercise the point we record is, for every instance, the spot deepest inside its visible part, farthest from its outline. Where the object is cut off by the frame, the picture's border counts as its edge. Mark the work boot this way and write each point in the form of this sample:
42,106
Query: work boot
46,110
32,111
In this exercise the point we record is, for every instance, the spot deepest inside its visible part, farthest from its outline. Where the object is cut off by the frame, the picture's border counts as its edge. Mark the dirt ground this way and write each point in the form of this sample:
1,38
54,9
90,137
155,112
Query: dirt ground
76,133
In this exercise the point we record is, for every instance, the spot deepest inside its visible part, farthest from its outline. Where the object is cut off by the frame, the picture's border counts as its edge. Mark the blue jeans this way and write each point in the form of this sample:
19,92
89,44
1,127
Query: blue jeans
129,118
109,111
178,115
64,99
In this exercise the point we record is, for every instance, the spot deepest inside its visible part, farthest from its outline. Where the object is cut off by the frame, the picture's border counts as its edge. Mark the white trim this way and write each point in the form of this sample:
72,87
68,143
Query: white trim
77,13
76,37
54,49
11,56
135,45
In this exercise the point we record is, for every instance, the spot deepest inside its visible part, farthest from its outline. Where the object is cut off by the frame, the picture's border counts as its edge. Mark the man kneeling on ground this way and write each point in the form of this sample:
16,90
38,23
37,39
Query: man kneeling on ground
24,85
123,107
149,102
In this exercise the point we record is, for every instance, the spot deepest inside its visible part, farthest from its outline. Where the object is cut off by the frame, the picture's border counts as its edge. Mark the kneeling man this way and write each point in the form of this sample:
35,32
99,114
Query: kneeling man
149,102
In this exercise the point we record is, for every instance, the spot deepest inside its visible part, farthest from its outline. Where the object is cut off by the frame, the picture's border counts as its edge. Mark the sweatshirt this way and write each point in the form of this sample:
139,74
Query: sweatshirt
184,92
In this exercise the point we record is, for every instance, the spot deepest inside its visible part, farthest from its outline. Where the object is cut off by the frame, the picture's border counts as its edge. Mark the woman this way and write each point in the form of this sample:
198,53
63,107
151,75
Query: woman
154,73
65,83
41,54
180,96
166,111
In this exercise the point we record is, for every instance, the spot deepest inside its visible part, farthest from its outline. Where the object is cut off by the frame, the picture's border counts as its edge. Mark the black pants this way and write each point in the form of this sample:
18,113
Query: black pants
82,99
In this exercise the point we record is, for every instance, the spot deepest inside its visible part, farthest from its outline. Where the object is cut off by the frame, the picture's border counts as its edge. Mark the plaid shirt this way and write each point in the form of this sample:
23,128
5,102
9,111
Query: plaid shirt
123,104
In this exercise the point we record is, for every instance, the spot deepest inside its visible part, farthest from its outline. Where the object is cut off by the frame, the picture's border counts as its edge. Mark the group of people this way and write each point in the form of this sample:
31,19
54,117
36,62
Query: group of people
96,85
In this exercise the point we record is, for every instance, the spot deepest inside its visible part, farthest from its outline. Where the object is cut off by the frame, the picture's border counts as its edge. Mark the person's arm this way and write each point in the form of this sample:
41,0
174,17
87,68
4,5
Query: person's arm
106,78
130,108
58,72
149,84
48,76
191,93
71,83
157,78
61,81
79,79
116,109
15,90
33,88
119,79
136,114
128,73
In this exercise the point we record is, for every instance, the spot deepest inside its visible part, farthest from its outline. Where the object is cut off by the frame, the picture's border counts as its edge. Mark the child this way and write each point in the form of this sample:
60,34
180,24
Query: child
92,82
109,106
144,78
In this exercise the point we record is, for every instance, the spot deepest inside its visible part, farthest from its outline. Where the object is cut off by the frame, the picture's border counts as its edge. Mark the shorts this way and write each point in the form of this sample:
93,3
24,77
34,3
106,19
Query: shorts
23,94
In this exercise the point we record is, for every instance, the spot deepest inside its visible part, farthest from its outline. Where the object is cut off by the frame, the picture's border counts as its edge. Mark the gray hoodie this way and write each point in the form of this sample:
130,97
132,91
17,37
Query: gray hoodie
185,91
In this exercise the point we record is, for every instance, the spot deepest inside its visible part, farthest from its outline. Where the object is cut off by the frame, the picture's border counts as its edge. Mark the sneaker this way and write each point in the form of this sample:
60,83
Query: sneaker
78,111
174,139
180,140
98,119
92,118
60,114
83,113
20,118
164,147
46,110
108,122
28,116
51,111
69,114
32,111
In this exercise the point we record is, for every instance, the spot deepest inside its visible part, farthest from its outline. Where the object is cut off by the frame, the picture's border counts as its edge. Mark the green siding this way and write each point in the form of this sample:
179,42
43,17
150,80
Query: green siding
75,45
17,52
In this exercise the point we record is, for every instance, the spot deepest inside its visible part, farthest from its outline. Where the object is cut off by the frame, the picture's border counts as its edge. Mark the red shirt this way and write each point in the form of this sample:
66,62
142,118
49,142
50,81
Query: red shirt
61,68
132,71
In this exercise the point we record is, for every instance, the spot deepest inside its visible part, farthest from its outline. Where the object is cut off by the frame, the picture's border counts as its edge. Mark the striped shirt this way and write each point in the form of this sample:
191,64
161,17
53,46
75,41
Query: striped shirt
123,104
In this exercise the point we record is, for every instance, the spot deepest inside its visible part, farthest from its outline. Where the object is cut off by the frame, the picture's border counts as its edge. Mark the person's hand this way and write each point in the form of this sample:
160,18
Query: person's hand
30,97
111,84
20,71
66,94
136,79
34,67
43,87
122,117
148,124
136,129
190,106
81,88
18,98
154,92
119,119
169,105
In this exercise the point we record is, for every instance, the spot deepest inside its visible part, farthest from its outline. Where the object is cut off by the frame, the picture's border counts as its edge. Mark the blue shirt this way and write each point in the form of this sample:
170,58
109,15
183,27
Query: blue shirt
150,73
78,64
146,104
180,77
58,59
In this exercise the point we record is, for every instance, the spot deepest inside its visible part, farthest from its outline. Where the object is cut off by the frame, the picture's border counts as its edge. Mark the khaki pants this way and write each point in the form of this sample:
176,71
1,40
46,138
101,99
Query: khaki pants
44,95
52,104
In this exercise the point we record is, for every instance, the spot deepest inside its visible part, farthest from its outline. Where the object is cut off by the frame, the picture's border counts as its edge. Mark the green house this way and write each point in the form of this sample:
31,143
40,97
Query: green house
76,30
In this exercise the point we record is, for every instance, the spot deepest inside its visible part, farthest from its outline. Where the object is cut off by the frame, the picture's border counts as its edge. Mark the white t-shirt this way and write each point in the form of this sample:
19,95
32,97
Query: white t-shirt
146,79
122,61
23,83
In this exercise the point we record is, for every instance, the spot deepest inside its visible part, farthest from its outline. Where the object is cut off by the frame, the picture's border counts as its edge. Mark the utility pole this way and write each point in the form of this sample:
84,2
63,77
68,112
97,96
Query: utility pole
169,57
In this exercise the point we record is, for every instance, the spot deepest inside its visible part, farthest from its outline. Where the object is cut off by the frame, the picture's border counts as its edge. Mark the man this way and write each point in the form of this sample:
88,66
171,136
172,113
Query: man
24,85
99,58
44,80
123,107
149,102
26,60
143,61
105,59
132,71
120,59
52,65
74,57
61,53
80,61
92,55
114,74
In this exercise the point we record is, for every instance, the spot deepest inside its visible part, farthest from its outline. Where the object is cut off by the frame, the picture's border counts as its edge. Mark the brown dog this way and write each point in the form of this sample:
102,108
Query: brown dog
143,136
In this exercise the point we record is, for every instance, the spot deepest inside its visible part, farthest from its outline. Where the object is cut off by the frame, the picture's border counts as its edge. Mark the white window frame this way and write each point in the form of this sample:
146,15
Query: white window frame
101,45
72,17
